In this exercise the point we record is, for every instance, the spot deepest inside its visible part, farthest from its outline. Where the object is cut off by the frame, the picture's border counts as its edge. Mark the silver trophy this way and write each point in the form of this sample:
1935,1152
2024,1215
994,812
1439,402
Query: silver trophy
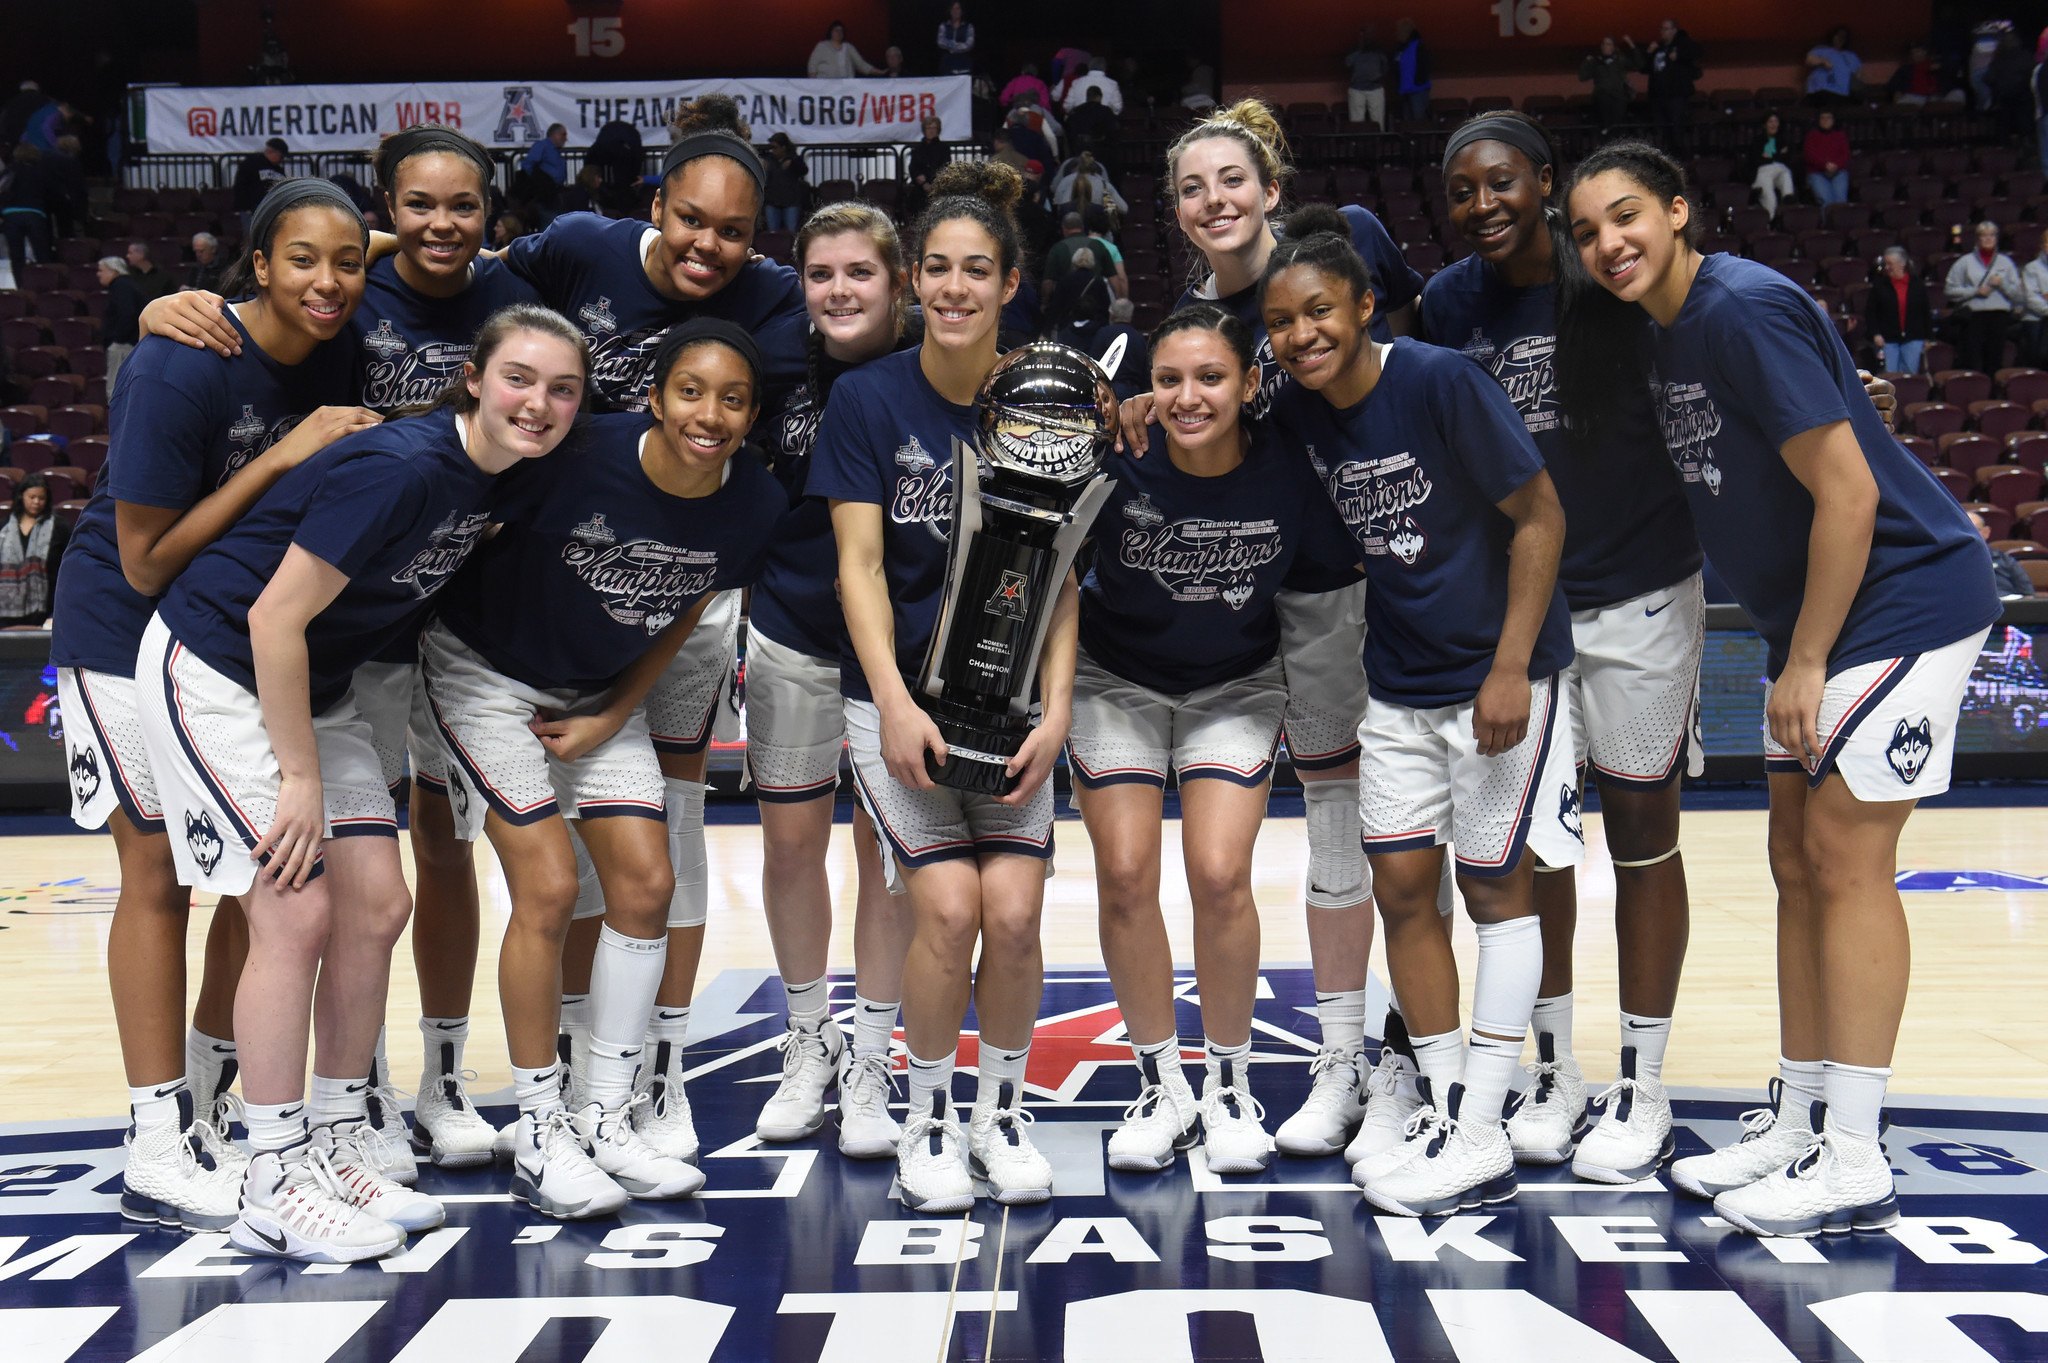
1023,501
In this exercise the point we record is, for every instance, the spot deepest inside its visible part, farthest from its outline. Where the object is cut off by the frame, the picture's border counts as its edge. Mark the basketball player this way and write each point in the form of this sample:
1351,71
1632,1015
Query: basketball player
1872,592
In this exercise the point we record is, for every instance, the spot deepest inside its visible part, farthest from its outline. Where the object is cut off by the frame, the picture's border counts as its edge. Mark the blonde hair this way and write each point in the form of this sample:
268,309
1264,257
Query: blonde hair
1253,125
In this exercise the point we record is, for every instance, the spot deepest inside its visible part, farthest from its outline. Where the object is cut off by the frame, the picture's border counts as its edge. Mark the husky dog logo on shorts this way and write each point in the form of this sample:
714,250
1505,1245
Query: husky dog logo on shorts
458,792
204,841
1009,597
1568,811
447,549
85,774
1910,748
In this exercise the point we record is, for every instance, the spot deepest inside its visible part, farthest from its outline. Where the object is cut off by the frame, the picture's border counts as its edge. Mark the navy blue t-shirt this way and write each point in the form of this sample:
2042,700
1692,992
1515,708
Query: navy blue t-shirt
1180,594
1749,363
1416,471
1627,530
1395,285
595,560
887,438
411,347
397,509
592,270
183,422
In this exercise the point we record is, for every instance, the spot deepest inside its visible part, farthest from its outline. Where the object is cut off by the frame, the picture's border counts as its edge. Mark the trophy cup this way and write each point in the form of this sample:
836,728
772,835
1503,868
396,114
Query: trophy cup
1023,501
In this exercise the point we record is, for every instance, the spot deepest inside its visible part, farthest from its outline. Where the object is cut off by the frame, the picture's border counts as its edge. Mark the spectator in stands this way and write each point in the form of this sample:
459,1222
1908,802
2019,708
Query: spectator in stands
1092,127
892,64
544,158
1198,89
1082,183
788,188
25,209
1026,82
1607,70
956,43
31,548
1003,147
1411,64
1985,288
2039,85
151,281
1063,258
1365,90
1087,78
1773,156
1034,217
510,227
1026,125
1673,62
2034,329
207,267
64,178
927,158
585,193
1133,371
1831,69
620,157
1984,40
834,58
2007,575
1064,65
1082,291
257,173
1917,80
48,123
120,324
1827,162
1895,314
2012,87
14,117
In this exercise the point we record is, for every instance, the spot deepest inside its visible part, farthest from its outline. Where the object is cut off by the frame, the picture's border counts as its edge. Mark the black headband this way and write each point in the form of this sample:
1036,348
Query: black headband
714,144
700,329
1525,138
303,192
401,147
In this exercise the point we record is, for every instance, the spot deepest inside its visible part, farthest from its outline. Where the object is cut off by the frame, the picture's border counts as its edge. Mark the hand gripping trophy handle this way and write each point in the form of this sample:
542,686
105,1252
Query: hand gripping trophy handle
1023,501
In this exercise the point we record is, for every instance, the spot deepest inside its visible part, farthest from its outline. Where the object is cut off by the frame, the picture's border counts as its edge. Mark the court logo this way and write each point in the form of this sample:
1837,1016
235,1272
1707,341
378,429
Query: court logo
518,122
85,775
202,121
1910,748
203,840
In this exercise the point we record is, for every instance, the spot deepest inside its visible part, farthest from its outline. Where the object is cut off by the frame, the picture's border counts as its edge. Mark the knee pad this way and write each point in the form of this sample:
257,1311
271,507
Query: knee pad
1338,877
1447,886
690,904
589,894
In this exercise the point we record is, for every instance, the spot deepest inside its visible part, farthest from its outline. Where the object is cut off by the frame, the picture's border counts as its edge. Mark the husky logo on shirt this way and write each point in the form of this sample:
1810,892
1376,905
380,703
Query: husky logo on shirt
1526,373
203,840
1374,495
643,583
1009,598
1143,514
448,548
598,316
1690,421
410,378
85,775
594,531
384,342
251,436
1568,811
1911,746
1201,559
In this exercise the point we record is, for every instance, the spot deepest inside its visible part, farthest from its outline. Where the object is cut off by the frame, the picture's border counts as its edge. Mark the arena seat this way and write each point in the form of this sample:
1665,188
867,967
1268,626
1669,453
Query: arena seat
1997,519
2007,486
1962,387
2028,450
1968,451
1933,419
1998,418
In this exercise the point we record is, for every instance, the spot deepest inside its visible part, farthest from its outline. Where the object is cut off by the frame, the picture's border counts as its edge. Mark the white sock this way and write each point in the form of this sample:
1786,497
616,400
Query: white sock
1342,1017
1441,1060
443,1041
1503,997
1649,1037
999,1067
808,1003
205,1054
155,1105
931,1082
1553,1018
1237,1057
574,1026
1802,1077
667,1029
1855,1098
1165,1058
874,1024
625,976
273,1126
1490,1065
339,1100
538,1091
380,1064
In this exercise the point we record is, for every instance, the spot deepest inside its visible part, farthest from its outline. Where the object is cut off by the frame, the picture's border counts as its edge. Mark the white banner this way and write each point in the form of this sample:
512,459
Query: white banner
323,118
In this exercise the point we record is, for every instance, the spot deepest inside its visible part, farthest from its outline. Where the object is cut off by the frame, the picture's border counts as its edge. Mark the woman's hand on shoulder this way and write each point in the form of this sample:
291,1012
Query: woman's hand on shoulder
195,318
321,428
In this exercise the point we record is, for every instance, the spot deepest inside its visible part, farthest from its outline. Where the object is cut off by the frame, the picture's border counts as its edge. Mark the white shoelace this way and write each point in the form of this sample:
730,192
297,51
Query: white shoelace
1614,1091
866,1073
1756,1122
1545,1073
1247,1104
1386,1076
1326,1089
1157,1096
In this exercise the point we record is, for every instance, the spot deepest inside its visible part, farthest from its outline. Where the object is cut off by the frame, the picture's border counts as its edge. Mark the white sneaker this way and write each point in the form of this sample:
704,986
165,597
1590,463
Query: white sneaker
503,1142
1234,1140
1458,1166
1835,1186
178,1176
1392,1096
363,1187
388,1143
1156,1127
553,1173
293,1207
447,1128
999,1151
931,1165
1633,1135
634,1165
1552,1112
665,1121
866,1130
1772,1137
1328,1118
810,1067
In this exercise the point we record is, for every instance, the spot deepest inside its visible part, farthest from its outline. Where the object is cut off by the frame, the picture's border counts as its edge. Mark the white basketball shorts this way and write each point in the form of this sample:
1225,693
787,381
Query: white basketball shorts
1124,732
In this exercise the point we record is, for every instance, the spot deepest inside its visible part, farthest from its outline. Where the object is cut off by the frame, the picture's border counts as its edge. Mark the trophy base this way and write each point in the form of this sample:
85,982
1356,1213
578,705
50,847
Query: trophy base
979,747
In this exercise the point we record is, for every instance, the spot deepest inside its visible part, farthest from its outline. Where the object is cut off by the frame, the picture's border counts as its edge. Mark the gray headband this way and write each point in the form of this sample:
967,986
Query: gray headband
714,144
1525,138
303,192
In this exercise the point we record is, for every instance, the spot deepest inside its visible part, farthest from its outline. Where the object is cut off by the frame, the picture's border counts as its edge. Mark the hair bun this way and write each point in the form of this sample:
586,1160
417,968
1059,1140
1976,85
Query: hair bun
995,181
709,113
1312,218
